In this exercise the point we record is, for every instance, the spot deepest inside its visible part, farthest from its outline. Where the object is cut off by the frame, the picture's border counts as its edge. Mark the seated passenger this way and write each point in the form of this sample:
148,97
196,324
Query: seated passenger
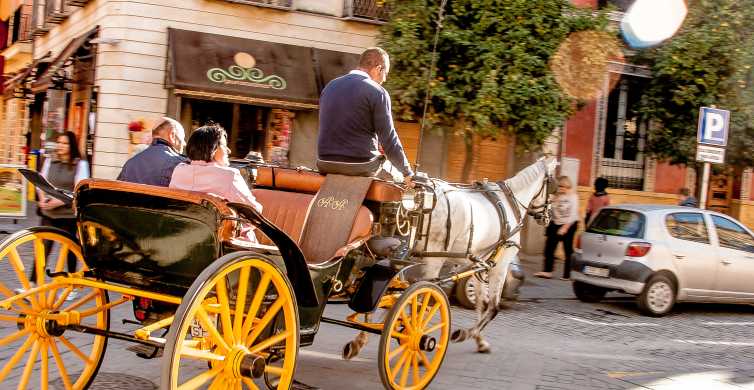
155,164
209,171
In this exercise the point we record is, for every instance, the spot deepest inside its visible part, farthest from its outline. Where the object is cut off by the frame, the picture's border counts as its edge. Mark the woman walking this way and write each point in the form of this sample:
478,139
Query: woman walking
64,169
562,228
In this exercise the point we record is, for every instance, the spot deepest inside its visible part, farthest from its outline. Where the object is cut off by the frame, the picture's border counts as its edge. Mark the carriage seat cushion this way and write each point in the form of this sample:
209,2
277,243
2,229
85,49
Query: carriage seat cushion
288,211
310,182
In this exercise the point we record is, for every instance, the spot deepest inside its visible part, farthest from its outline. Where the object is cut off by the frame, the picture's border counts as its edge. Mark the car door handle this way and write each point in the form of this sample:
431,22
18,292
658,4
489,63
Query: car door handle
726,262
680,257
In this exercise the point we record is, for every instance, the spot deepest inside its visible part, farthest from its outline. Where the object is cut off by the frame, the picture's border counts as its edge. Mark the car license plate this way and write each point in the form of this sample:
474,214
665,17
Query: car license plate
198,331
597,271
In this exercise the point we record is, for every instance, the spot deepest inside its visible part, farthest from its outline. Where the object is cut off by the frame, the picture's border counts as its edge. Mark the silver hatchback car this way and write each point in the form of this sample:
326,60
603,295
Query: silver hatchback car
664,254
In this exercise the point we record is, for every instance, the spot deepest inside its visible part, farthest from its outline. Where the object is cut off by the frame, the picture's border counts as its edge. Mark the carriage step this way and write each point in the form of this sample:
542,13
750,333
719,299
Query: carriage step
145,351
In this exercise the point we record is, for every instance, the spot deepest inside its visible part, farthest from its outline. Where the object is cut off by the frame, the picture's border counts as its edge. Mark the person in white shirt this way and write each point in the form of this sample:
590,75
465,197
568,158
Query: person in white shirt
562,228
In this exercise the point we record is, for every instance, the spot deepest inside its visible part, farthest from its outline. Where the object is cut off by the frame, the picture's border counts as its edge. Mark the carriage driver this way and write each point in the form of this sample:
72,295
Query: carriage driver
355,117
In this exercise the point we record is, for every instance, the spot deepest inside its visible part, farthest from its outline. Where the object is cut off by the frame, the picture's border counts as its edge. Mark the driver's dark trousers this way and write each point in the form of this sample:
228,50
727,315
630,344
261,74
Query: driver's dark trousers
329,164
552,243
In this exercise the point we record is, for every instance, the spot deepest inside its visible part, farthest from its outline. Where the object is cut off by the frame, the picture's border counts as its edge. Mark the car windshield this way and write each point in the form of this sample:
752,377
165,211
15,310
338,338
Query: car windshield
615,222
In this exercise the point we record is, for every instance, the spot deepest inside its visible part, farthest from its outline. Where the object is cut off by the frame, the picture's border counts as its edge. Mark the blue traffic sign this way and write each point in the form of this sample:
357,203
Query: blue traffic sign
713,126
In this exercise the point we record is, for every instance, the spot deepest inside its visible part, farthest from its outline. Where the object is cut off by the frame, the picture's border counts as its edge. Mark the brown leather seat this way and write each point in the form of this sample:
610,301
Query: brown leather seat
310,182
288,211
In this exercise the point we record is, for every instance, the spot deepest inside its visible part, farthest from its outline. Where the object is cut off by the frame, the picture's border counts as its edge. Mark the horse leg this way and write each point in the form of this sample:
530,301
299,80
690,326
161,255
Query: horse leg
353,347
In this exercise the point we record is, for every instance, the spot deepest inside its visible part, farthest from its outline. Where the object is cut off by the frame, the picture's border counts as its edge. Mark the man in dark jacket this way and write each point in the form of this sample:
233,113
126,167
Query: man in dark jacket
156,163
355,120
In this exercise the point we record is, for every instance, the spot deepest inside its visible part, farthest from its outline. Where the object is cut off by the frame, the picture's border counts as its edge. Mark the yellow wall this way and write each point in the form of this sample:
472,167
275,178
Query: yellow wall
743,210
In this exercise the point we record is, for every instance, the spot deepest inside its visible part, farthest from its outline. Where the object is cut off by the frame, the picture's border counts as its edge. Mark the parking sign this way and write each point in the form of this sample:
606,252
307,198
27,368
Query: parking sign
713,126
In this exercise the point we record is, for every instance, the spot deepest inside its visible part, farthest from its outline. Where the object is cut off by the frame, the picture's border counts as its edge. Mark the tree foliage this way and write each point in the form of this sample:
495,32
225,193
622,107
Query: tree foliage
709,62
492,64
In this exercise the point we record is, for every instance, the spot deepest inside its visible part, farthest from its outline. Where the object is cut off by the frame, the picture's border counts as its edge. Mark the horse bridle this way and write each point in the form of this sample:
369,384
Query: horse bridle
540,212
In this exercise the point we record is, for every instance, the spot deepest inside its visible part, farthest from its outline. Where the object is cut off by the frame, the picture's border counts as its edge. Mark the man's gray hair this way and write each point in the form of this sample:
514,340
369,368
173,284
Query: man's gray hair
166,125
372,57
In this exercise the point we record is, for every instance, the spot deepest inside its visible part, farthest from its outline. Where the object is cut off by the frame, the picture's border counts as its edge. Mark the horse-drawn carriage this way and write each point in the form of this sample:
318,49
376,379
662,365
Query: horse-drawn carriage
223,312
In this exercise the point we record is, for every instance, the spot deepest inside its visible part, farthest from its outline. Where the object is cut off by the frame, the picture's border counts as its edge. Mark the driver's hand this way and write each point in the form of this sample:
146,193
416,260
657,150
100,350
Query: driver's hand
407,180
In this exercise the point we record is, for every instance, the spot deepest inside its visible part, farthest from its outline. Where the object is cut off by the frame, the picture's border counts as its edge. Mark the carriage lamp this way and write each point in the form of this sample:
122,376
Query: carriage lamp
408,200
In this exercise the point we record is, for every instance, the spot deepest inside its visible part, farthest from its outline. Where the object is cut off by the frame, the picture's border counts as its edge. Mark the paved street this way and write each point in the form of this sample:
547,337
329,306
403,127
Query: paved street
547,341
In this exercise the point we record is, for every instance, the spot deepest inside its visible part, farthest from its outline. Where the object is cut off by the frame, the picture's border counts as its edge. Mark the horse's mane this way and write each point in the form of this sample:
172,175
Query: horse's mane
524,178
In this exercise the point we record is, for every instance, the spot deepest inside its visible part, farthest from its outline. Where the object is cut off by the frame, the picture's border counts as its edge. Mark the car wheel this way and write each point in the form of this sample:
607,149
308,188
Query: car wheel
466,291
588,293
658,296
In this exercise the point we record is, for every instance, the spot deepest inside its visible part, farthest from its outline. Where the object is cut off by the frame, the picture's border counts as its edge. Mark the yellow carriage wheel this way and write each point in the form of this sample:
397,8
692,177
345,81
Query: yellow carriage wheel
237,328
415,338
37,327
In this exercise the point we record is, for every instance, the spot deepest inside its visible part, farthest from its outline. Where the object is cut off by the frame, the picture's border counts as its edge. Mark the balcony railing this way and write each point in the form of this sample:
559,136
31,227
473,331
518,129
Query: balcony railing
377,11
281,4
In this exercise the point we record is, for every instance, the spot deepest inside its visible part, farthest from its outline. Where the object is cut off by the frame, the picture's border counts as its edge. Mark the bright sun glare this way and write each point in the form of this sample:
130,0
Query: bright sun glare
649,22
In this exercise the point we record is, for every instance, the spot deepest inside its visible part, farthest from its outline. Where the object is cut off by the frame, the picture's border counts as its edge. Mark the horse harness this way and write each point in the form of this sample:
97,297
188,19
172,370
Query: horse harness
491,192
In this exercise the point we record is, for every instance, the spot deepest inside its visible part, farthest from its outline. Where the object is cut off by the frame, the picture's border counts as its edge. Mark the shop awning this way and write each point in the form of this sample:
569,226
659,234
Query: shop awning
10,85
8,7
45,79
223,67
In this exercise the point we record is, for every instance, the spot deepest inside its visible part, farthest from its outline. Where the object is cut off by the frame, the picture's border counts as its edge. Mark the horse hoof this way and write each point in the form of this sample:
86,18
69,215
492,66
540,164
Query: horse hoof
350,350
459,335
484,349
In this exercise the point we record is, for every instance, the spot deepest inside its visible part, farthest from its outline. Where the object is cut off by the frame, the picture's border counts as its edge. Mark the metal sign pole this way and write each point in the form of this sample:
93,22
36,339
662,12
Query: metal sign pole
705,186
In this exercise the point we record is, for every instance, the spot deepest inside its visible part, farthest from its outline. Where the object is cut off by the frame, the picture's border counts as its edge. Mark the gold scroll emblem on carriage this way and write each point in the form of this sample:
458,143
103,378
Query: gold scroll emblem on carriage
331,203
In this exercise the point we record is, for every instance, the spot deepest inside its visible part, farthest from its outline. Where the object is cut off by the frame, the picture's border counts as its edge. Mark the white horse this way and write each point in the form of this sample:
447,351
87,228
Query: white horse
475,229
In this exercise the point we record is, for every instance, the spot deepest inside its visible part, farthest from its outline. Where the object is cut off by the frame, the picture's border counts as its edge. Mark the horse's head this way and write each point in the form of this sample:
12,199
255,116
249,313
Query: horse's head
541,205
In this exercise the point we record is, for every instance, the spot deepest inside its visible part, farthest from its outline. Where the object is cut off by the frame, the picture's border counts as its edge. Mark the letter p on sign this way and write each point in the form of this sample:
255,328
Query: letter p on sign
713,126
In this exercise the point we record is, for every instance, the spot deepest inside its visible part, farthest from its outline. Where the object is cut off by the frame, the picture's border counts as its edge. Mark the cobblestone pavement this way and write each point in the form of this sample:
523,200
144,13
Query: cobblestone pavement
547,341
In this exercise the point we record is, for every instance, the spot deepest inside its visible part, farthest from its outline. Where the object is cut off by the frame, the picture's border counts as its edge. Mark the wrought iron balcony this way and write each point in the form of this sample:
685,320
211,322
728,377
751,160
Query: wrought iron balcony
280,4
377,11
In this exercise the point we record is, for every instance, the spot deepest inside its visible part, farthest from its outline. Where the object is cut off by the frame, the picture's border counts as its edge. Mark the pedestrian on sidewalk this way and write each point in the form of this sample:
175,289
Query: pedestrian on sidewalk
64,169
686,199
597,201
562,228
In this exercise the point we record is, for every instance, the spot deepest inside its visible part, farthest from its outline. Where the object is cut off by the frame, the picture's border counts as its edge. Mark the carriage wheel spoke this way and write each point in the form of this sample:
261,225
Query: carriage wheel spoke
406,368
397,351
207,324
398,335
75,350
8,293
62,257
29,366
415,311
221,288
423,311
269,342
432,313
61,366
45,367
415,367
434,328
271,313
13,337
406,322
40,260
61,299
274,370
18,267
194,353
218,383
81,301
396,370
16,357
250,384
424,359
256,302
11,319
243,284
199,380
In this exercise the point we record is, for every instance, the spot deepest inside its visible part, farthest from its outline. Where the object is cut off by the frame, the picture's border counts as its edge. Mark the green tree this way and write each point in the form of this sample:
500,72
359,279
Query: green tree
709,62
492,73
